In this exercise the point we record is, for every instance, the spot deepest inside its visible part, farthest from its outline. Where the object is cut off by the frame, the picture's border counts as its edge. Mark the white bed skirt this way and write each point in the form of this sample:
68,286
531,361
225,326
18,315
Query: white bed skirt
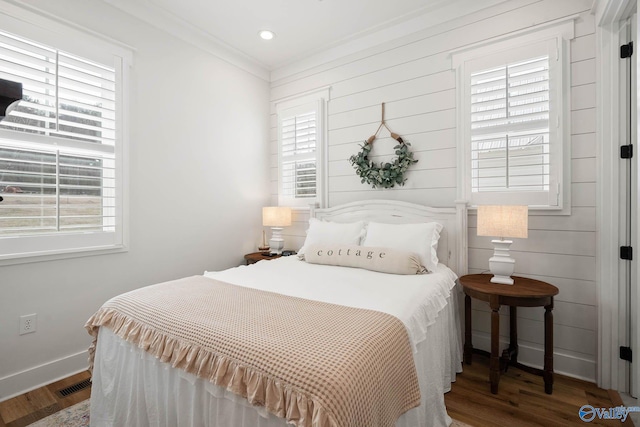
132,388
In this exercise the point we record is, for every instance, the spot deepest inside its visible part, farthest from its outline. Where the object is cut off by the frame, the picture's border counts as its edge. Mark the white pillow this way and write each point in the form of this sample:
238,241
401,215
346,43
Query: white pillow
421,238
325,232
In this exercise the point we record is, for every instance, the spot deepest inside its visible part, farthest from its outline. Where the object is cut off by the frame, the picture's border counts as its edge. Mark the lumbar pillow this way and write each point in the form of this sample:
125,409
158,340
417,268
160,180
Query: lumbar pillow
384,260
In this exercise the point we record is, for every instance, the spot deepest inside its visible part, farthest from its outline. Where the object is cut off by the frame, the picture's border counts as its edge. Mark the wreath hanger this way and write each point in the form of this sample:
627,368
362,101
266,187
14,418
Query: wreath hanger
386,174
382,123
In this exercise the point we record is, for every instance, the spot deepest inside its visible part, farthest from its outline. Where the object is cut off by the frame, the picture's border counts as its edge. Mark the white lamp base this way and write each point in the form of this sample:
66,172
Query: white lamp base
501,264
277,242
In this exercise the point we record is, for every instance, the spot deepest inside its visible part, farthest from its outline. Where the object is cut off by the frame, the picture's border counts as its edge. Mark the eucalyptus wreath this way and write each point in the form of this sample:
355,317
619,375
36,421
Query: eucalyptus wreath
385,175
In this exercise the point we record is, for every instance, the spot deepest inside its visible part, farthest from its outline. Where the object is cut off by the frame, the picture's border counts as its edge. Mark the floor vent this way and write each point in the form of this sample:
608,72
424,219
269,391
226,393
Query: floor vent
74,388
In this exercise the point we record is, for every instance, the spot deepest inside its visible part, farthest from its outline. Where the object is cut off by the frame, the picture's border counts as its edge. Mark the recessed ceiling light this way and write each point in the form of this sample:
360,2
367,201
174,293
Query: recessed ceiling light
266,34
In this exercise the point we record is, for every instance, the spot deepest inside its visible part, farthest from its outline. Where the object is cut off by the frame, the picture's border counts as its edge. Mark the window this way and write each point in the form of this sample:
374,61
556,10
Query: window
300,150
511,127
61,150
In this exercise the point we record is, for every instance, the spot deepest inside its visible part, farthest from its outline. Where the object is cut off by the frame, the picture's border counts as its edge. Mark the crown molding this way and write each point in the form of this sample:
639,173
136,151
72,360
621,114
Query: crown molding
162,19
22,11
438,12
435,15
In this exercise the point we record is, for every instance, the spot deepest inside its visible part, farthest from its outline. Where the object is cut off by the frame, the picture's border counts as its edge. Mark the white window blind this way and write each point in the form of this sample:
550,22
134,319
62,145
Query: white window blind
63,95
298,154
514,121
301,141
59,152
49,191
510,127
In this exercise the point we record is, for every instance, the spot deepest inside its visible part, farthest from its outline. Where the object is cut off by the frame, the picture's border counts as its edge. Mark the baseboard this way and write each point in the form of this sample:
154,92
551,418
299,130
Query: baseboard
19,383
529,354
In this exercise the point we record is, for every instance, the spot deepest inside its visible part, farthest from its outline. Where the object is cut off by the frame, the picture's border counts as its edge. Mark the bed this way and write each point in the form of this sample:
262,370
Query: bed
132,386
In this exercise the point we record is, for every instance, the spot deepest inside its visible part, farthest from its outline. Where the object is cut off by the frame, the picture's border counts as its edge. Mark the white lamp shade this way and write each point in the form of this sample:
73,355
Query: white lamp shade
503,221
276,216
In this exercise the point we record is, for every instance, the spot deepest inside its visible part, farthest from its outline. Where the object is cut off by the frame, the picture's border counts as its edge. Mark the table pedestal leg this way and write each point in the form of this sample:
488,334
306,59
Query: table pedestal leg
468,347
513,330
494,364
548,348
510,355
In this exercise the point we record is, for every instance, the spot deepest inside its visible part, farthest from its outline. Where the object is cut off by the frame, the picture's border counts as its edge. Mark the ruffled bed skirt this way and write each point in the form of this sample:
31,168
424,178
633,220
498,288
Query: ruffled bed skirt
133,388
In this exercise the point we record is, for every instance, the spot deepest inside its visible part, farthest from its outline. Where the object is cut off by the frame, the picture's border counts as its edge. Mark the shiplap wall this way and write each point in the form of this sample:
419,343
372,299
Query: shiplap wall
413,76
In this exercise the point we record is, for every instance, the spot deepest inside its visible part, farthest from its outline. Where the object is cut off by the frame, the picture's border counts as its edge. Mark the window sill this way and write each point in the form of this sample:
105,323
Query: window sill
59,255
539,210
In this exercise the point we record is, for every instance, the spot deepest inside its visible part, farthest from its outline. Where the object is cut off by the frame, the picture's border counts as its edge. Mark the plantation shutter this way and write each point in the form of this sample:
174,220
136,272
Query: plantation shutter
513,126
63,95
298,144
510,146
47,190
57,147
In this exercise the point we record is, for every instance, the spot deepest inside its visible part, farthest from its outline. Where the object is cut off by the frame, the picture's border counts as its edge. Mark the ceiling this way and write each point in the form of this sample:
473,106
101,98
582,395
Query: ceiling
302,27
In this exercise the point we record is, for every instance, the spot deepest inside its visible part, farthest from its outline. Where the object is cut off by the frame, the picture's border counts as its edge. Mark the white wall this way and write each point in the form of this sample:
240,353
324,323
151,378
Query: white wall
195,195
413,76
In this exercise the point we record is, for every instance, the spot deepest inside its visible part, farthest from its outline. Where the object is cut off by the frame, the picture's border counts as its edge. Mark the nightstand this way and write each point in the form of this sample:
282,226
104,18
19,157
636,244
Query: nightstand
259,256
523,293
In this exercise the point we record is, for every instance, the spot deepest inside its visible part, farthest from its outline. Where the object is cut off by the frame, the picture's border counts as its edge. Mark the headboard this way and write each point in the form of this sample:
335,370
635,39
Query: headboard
452,246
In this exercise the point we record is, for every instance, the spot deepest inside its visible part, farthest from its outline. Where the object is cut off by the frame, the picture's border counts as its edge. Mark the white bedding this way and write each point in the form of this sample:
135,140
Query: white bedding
414,299
131,388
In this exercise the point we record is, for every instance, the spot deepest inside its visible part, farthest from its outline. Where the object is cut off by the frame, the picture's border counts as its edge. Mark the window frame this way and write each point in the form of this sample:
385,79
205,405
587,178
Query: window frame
475,57
91,46
317,100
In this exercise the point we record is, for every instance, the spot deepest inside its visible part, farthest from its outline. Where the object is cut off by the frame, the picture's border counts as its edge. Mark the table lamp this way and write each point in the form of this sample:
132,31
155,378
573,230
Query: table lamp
502,221
276,217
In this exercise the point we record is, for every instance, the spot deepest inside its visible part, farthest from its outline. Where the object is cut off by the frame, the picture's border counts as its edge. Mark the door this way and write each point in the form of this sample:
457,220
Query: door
628,214
634,232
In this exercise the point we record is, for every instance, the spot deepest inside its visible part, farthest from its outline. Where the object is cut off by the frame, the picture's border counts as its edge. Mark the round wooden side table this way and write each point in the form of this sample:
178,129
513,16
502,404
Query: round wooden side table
523,293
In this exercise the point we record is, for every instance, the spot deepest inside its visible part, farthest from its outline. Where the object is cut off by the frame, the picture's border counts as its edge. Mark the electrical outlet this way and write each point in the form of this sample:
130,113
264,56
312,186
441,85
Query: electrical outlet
28,323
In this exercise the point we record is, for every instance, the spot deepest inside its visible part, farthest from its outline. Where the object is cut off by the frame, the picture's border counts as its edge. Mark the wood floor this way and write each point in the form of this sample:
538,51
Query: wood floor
521,400
34,405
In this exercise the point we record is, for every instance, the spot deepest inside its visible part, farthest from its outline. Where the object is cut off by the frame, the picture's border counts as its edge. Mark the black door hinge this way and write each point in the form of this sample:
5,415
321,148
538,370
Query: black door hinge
626,252
626,50
626,151
625,353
